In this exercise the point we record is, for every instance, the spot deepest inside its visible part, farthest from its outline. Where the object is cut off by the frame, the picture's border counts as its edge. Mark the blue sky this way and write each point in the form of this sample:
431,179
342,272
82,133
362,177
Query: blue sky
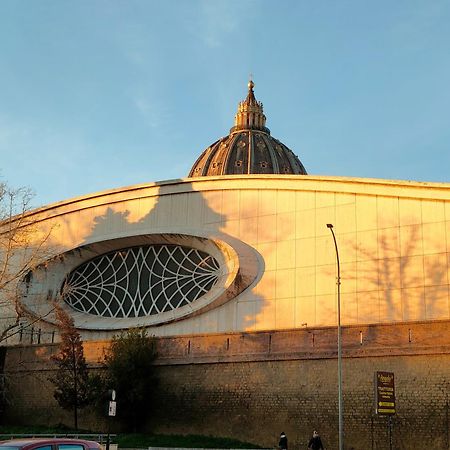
100,94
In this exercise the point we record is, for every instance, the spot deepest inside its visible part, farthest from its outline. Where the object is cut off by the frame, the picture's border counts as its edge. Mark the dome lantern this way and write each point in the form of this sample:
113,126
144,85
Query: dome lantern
250,114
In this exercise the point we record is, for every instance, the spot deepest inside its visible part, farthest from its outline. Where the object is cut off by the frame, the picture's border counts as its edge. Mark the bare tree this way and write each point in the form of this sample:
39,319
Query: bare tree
22,247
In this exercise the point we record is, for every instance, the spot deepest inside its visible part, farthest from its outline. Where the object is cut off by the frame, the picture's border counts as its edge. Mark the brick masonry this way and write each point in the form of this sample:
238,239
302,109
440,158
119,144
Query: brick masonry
252,386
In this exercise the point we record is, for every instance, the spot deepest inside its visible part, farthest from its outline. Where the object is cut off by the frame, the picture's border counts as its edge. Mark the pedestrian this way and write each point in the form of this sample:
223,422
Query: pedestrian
315,443
282,444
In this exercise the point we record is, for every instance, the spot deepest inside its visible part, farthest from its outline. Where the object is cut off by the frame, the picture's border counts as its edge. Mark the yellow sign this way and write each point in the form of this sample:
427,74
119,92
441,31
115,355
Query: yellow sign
384,393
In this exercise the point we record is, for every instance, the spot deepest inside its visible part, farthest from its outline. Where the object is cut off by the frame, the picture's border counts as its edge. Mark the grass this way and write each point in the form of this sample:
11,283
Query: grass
142,440
173,440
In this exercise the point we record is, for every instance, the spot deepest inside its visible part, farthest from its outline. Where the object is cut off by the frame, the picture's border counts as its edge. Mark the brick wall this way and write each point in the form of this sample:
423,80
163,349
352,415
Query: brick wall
252,386
255,401
30,393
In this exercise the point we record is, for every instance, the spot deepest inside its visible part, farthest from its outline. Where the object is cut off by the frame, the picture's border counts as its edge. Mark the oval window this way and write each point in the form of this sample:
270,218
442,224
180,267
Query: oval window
140,281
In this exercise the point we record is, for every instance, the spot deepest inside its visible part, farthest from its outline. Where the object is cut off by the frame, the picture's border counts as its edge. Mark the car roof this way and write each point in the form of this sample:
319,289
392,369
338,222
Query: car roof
46,441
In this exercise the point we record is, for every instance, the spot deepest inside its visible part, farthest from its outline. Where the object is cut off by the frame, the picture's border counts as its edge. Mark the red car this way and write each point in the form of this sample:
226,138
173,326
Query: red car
49,444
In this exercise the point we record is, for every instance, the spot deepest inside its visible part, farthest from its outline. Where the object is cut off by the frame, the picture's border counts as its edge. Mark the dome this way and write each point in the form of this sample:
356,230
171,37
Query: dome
249,148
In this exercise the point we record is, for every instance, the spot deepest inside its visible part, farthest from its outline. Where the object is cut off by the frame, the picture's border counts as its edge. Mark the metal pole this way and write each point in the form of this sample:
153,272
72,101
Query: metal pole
390,432
446,421
339,343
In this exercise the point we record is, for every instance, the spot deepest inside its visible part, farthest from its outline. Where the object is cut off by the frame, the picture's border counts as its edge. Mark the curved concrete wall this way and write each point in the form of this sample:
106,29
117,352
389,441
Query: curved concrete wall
393,238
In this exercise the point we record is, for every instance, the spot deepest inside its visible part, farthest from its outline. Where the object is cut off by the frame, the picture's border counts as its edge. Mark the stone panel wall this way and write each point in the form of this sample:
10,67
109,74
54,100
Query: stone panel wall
252,386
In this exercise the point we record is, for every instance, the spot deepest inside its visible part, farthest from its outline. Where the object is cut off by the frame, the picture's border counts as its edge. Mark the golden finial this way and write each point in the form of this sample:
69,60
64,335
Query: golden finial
251,85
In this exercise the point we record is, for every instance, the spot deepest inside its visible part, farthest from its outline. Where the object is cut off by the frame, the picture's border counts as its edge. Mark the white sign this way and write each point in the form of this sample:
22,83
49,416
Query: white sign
112,409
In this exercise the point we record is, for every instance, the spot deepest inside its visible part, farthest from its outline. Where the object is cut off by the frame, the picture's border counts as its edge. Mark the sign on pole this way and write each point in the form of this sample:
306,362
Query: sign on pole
384,393
112,408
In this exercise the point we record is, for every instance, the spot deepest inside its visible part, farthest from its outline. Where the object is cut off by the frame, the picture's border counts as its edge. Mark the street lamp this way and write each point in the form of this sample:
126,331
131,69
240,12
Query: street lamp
338,282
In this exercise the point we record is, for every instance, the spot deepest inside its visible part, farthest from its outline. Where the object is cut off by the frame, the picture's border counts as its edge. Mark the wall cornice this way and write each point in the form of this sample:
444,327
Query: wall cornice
347,185
364,341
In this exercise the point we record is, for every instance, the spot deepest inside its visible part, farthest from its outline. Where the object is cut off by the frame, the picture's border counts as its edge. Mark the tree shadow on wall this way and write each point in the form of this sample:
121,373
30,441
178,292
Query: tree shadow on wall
412,285
409,275
185,213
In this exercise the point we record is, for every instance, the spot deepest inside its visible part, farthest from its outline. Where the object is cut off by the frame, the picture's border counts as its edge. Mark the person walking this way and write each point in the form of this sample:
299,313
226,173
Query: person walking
283,443
315,443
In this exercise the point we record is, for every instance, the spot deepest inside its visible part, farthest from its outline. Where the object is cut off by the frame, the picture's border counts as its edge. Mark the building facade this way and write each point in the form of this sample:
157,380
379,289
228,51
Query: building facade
233,269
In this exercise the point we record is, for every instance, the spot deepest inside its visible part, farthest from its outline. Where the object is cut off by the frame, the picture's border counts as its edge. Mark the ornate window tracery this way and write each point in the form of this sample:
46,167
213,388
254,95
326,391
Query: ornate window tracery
140,281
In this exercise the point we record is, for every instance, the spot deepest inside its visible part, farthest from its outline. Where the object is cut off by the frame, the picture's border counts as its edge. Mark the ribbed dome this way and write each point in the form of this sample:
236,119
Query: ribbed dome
249,148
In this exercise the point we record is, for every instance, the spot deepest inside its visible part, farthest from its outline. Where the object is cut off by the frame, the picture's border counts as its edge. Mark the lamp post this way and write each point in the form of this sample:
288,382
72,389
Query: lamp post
339,343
